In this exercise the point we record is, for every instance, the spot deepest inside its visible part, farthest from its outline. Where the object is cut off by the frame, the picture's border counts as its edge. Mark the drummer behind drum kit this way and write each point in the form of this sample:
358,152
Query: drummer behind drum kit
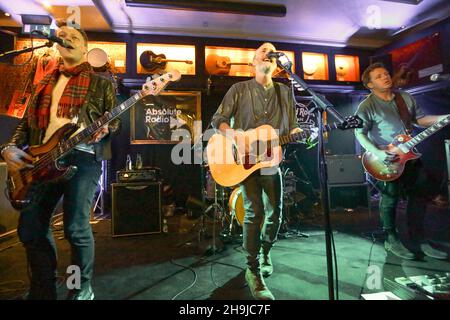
101,64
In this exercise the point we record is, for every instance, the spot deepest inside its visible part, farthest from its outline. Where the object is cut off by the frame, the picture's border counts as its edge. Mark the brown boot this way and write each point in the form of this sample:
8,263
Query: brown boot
266,264
257,286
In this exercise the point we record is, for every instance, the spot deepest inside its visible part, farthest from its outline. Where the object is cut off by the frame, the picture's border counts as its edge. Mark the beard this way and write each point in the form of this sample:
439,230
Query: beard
266,69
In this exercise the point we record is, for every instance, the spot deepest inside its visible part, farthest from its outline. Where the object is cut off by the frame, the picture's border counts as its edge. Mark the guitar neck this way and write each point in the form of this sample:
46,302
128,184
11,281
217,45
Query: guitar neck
171,60
87,132
426,133
304,134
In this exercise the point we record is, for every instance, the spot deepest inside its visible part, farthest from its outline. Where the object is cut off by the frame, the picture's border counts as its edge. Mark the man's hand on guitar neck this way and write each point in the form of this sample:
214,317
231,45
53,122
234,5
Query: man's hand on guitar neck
14,158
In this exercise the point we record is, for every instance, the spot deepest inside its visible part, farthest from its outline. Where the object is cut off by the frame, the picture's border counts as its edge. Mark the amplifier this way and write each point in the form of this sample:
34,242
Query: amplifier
345,169
145,174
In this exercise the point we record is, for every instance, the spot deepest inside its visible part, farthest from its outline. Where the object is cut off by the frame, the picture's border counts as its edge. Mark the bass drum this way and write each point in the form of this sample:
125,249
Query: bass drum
236,206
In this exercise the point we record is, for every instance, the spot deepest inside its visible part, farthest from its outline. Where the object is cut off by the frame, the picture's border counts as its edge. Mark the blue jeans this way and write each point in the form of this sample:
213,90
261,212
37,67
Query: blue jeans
263,202
412,185
35,231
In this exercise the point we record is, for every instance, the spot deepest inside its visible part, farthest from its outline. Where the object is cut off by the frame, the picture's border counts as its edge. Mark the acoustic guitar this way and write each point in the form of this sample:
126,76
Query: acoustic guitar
232,161
49,166
153,62
217,65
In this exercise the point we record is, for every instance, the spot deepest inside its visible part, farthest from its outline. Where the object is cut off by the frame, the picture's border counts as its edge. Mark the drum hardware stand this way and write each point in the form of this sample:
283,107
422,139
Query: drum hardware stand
99,201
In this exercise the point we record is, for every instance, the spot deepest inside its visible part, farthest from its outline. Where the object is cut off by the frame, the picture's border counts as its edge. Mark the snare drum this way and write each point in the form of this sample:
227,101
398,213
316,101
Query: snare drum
236,205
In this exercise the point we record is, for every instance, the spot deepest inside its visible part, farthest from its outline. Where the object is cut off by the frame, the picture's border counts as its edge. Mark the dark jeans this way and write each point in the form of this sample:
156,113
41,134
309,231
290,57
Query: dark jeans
412,185
263,202
36,235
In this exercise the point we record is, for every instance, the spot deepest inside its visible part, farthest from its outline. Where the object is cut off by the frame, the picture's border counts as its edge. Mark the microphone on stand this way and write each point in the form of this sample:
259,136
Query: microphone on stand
440,77
60,41
274,54
282,60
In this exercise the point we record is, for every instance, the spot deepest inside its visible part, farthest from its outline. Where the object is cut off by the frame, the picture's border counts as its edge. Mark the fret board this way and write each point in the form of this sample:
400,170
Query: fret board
87,132
426,133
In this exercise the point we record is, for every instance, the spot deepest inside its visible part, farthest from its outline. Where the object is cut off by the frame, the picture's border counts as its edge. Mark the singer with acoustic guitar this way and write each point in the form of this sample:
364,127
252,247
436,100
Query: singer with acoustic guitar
390,157
248,105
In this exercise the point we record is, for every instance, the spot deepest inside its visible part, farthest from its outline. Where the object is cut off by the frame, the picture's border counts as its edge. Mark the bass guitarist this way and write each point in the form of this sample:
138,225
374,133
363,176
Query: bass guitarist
70,93
385,115
247,105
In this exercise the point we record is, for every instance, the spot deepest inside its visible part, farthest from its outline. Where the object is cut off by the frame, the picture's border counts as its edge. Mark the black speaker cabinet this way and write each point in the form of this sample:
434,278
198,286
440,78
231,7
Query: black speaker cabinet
136,208
345,169
9,217
349,196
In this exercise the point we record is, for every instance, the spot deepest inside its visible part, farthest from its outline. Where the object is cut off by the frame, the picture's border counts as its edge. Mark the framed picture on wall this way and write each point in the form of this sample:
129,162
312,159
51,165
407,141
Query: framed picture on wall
166,118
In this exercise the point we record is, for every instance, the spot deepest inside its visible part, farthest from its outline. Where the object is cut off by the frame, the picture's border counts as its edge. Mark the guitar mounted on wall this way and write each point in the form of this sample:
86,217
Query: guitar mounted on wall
217,65
153,62
49,166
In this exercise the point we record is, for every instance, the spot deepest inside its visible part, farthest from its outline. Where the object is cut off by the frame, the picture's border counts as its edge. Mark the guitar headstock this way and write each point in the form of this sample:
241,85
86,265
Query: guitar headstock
156,85
351,122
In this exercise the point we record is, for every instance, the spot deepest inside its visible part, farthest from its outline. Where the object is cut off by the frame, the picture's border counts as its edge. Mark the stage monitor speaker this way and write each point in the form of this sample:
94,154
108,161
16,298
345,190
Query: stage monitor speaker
136,208
345,169
349,196
9,217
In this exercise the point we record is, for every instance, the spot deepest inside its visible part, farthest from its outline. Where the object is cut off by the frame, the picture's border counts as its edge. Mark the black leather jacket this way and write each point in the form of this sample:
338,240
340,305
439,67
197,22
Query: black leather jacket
100,98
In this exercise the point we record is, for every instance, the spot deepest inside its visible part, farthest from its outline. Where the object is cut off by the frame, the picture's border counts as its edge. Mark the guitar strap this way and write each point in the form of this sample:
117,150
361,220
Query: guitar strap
405,116
283,112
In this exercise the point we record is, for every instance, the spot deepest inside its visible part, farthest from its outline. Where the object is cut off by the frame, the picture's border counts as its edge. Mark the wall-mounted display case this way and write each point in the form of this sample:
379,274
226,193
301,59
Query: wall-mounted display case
156,58
235,61
347,67
315,66
103,54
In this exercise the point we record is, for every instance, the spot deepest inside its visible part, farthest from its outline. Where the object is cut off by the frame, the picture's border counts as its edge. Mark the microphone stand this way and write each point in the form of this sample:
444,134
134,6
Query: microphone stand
321,104
14,53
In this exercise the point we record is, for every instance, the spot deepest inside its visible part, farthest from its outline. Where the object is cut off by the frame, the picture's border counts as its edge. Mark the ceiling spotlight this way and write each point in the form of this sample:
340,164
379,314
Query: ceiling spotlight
7,14
46,4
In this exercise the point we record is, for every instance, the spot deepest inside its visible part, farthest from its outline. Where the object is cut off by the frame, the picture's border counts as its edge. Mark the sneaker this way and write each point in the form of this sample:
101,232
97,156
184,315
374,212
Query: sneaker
82,294
398,249
257,286
266,264
429,251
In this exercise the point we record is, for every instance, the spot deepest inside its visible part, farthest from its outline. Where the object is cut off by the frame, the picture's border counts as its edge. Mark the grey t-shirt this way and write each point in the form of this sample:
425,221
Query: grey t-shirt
381,120
248,105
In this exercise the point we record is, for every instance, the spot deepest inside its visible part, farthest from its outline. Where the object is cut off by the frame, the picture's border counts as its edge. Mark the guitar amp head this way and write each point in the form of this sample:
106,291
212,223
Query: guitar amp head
145,174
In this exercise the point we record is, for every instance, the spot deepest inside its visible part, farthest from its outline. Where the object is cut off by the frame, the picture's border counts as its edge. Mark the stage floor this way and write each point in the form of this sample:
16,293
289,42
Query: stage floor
177,266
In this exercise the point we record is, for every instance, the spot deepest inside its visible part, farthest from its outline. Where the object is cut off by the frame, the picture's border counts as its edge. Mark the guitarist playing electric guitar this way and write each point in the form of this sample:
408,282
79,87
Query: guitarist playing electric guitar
68,129
248,105
387,120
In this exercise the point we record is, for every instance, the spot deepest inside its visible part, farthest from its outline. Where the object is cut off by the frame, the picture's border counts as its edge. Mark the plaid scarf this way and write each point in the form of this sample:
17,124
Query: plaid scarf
71,100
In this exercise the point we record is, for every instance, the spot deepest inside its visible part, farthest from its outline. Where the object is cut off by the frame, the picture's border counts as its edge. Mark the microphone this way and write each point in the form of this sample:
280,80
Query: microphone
60,41
274,54
439,77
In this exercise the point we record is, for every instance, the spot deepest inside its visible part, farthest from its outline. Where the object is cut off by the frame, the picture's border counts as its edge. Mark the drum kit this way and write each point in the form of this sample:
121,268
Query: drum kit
231,201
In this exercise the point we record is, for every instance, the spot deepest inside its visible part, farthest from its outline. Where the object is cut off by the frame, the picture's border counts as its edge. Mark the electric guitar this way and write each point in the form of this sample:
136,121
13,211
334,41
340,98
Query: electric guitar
231,161
48,165
402,145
